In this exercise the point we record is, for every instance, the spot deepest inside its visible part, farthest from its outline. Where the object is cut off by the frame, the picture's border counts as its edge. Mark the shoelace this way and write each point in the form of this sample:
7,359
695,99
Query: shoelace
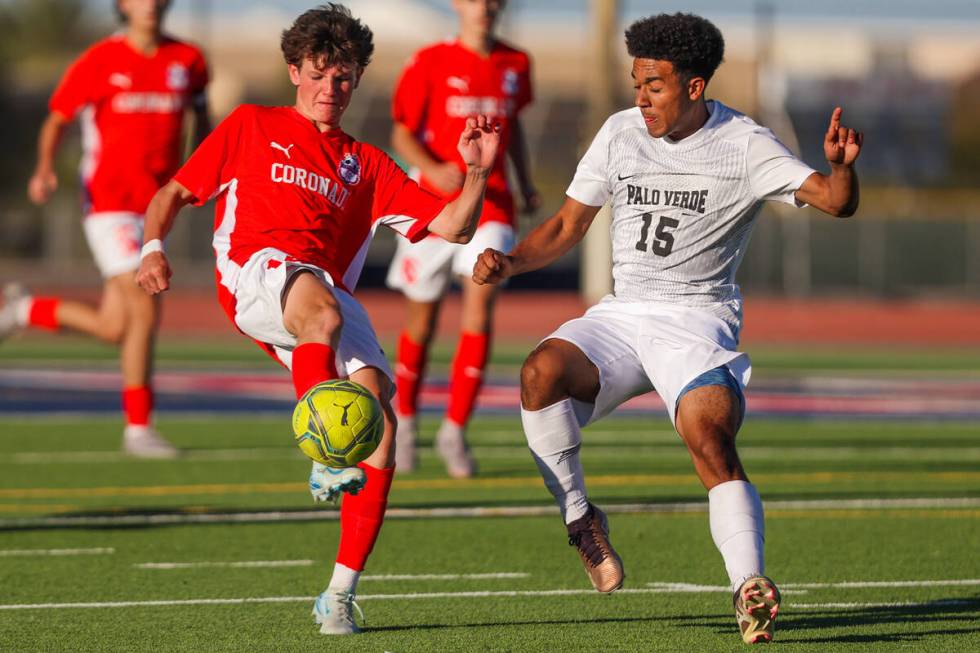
346,602
590,546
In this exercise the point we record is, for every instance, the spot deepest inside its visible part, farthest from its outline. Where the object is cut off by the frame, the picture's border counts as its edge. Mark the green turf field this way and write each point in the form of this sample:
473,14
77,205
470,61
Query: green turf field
43,350
509,583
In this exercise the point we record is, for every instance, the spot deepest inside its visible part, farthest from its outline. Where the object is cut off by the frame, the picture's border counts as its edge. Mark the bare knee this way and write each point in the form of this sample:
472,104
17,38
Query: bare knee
320,321
542,379
420,323
112,332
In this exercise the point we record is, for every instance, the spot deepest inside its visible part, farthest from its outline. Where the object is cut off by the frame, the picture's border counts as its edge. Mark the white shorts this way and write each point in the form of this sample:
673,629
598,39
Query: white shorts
639,347
258,313
115,238
423,270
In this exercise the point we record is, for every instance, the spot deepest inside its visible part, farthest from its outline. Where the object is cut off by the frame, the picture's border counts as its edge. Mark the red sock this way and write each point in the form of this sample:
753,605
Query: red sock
42,313
409,370
313,362
137,403
361,516
467,375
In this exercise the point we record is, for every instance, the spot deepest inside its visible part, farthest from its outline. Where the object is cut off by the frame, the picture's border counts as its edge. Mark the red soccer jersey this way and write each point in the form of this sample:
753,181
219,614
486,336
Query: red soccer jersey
132,113
318,197
443,85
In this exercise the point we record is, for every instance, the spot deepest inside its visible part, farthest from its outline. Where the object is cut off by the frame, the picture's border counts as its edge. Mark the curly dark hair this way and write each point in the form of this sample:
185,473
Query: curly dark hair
691,43
328,35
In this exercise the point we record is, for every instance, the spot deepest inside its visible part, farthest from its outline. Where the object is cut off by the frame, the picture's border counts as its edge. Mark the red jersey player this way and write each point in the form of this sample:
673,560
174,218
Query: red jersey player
441,86
131,91
297,203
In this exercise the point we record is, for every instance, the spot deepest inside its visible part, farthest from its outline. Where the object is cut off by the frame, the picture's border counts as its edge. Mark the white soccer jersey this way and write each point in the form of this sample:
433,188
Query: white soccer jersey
683,210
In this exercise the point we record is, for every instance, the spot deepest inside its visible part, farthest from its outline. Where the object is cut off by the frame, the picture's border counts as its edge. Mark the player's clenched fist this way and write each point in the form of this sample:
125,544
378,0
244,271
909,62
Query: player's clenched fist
154,273
491,267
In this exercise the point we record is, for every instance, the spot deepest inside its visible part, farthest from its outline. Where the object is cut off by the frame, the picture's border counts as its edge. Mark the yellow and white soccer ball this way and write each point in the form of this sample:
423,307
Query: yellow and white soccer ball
338,423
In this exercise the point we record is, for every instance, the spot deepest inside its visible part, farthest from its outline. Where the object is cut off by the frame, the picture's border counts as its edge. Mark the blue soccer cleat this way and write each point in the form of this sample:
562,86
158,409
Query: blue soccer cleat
334,611
328,483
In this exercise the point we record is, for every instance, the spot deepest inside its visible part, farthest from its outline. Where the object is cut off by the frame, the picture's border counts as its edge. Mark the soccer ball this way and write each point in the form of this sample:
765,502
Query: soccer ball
338,423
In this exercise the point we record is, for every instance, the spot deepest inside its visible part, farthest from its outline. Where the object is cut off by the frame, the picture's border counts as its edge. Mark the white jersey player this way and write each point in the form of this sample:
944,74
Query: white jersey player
685,178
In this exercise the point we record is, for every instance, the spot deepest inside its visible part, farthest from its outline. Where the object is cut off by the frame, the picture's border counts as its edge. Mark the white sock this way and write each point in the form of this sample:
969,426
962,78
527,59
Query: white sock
554,437
344,579
23,310
738,529
450,429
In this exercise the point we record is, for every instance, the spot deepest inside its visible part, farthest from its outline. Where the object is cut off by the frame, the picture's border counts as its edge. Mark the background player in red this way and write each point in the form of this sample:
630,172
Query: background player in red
298,201
443,85
132,91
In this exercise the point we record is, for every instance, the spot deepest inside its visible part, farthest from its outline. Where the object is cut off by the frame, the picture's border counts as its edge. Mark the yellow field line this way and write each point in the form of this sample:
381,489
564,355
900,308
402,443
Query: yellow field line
36,507
625,480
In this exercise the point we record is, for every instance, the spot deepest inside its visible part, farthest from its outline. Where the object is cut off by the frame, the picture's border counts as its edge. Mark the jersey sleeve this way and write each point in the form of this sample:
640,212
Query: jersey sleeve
199,76
525,91
76,88
400,204
213,163
408,103
774,172
590,185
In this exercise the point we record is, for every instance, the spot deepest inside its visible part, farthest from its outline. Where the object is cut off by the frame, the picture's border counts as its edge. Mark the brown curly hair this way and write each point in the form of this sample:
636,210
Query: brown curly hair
328,35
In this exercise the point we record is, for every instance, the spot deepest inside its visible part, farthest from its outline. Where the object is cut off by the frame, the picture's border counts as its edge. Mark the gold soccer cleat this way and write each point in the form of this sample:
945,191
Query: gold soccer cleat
756,606
590,537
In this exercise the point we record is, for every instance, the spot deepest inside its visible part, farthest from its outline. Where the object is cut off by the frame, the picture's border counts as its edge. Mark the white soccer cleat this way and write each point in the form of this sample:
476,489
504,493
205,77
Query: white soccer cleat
406,457
328,483
334,611
145,442
455,452
11,320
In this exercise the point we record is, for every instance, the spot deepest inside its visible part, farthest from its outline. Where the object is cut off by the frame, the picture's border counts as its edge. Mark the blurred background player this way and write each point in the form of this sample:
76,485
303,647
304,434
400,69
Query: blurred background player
132,91
443,85
297,201
686,178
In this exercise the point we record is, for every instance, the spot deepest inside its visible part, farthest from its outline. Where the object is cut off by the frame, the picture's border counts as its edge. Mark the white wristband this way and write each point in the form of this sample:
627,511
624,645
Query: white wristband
155,245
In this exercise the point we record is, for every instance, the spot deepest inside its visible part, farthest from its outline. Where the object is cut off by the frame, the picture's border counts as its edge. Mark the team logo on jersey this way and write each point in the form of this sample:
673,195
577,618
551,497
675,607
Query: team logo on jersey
177,77
284,150
461,84
349,169
120,80
509,85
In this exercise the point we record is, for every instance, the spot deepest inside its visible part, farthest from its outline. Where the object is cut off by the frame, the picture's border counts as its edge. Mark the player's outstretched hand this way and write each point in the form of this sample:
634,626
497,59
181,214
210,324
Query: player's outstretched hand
154,273
42,185
492,267
479,142
841,145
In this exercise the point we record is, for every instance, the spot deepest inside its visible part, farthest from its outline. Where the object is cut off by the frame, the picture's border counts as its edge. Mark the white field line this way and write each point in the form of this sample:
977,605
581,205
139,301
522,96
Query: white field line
508,452
11,553
892,604
251,564
491,575
231,564
476,512
868,584
432,595
803,587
